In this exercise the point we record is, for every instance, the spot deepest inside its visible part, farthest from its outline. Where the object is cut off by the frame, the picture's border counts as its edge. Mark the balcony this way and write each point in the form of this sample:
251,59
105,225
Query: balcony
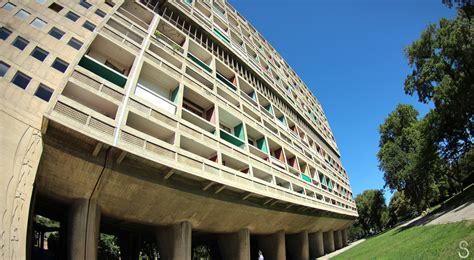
257,143
231,129
226,76
157,88
277,157
200,56
198,110
170,36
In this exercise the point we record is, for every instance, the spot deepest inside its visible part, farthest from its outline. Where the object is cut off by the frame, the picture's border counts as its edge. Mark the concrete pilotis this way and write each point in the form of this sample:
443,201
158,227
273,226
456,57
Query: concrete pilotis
235,245
316,244
328,242
344,237
83,229
174,242
272,246
297,246
337,239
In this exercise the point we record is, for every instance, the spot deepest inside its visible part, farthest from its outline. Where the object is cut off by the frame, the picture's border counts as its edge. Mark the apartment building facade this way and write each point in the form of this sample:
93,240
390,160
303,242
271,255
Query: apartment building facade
174,122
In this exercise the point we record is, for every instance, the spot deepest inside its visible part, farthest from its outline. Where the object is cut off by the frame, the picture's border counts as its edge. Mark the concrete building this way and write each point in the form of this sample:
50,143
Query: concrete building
173,124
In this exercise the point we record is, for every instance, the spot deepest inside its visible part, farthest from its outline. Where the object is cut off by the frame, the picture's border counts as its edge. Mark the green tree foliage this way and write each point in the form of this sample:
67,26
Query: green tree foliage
400,209
371,207
443,73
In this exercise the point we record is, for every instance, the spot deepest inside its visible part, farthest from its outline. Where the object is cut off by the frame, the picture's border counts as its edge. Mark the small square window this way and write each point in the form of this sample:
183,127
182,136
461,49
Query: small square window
21,80
89,26
55,7
85,4
3,68
8,6
60,65
38,23
44,92
56,33
4,33
75,43
100,13
20,43
72,16
39,54
22,14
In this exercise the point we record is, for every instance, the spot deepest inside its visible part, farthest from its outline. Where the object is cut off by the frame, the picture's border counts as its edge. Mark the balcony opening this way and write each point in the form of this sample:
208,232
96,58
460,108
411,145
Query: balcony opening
108,60
257,143
305,172
170,35
281,119
251,113
248,92
219,10
90,100
270,127
202,10
200,78
200,56
150,128
125,31
157,88
298,189
292,161
282,183
262,175
310,193
165,55
293,129
235,164
233,21
277,157
136,13
198,149
265,106
226,76
231,129
198,110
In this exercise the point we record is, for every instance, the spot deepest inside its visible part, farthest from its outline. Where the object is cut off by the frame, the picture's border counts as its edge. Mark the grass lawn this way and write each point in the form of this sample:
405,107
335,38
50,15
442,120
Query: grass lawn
418,242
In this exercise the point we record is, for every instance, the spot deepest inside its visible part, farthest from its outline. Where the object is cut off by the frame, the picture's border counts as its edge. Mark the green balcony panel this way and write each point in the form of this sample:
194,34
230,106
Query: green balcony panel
323,181
103,71
239,131
174,94
231,138
306,178
199,62
221,36
262,145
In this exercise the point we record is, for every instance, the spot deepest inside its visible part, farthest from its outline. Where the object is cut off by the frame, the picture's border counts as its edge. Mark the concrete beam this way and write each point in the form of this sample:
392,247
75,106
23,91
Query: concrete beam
83,230
235,246
328,238
344,237
169,174
208,185
97,148
121,157
174,242
297,246
221,188
272,246
337,239
316,244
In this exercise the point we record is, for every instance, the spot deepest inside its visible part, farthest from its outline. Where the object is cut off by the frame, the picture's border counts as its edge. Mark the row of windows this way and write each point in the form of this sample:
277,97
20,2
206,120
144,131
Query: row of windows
22,80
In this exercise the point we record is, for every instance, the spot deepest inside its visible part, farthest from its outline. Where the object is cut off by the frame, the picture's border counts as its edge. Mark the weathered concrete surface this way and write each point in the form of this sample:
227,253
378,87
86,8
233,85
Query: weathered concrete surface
316,244
297,247
83,230
344,237
235,246
272,246
174,242
337,239
328,242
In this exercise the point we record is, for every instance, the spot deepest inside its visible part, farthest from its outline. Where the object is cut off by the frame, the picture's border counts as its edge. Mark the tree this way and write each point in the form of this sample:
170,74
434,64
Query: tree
400,208
371,207
443,73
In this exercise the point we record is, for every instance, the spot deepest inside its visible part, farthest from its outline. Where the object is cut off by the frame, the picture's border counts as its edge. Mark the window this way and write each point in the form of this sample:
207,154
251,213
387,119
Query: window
89,26
38,23
100,13
44,92
56,33
22,14
55,7
85,4
72,16
20,43
21,80
75,43
39,54
60,65
4,33
8,6
3,68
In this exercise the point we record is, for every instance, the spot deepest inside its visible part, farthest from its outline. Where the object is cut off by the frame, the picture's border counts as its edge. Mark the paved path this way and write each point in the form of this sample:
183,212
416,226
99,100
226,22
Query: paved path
335,253
462,212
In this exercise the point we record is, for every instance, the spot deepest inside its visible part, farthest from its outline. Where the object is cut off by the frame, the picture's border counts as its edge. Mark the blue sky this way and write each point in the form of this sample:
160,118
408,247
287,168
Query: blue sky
350,54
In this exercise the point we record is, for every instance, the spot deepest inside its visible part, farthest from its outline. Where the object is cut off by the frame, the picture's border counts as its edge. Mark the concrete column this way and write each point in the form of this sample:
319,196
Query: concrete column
337,239
174,242
328,238
272,246
235,246
297,246
344,238
316,244
83,230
